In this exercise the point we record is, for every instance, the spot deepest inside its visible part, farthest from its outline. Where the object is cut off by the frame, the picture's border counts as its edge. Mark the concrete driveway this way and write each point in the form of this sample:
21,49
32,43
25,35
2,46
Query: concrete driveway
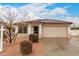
61,47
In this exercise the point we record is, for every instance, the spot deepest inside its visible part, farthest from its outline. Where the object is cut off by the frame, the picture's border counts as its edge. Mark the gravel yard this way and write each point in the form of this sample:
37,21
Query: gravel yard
14,49
45,47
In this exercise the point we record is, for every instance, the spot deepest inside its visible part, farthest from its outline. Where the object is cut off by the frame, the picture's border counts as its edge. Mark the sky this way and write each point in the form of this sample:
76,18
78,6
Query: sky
58,11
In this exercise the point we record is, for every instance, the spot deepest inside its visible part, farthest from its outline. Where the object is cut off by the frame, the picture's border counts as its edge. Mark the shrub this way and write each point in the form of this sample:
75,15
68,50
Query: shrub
26,47
33,37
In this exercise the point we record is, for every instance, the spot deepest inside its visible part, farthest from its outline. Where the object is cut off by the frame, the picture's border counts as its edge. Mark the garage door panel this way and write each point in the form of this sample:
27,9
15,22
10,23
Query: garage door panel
54,31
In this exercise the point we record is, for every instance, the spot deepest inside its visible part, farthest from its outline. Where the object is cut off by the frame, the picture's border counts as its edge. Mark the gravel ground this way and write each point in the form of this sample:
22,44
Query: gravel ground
14,49
45,47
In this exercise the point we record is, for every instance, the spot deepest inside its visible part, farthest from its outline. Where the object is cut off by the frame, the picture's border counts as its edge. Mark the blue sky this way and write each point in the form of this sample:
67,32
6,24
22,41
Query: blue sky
43,10
73,7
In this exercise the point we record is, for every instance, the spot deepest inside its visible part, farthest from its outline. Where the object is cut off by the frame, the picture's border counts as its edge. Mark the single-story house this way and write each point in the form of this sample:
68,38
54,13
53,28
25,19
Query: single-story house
45,28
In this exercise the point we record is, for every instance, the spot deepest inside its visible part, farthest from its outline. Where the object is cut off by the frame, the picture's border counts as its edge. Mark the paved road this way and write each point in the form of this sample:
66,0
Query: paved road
61,47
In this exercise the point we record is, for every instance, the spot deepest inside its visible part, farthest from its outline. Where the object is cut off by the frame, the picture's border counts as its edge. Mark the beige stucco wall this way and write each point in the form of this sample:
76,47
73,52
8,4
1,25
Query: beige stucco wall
55,30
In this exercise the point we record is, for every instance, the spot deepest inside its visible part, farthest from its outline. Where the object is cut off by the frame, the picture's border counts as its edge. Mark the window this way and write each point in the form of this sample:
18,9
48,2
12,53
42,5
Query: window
22,29
25,29
36,29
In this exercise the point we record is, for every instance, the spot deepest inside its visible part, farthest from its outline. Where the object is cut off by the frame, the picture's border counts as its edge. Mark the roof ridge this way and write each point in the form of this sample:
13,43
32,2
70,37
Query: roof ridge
51,19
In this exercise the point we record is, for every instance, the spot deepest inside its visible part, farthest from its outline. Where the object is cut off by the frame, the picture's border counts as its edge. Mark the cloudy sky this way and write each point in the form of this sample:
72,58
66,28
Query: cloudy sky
59,11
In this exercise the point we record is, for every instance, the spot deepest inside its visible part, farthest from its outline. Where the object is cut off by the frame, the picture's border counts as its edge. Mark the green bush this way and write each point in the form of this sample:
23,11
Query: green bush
26,47
33,37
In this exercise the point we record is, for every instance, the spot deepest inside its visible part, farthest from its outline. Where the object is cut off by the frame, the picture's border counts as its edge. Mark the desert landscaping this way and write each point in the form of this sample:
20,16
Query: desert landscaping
45,47
14,49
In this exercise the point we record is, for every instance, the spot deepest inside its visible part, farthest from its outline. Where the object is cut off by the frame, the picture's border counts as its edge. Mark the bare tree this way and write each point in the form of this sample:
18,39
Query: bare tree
10,15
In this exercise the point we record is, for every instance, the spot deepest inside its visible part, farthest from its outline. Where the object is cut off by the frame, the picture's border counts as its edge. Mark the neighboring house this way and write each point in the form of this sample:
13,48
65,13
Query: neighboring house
45,28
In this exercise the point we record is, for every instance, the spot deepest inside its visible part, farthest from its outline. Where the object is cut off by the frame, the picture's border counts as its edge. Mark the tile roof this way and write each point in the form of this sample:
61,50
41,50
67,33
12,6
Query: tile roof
45,21
50,21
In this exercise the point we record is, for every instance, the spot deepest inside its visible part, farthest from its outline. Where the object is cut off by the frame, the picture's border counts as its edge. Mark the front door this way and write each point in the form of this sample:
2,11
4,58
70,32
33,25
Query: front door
36,29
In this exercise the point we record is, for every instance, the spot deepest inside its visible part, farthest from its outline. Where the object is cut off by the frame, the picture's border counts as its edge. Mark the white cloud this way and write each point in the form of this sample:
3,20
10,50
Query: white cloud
35,8
67,7
56,13
59,11
32,17
40,10
73,19
35,11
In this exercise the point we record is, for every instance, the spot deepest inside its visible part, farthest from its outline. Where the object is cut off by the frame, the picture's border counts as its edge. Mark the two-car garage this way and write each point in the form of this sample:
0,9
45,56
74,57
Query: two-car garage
52,31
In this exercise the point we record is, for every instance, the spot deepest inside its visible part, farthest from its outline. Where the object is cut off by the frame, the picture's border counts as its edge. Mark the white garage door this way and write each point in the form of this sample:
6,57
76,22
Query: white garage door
54,31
